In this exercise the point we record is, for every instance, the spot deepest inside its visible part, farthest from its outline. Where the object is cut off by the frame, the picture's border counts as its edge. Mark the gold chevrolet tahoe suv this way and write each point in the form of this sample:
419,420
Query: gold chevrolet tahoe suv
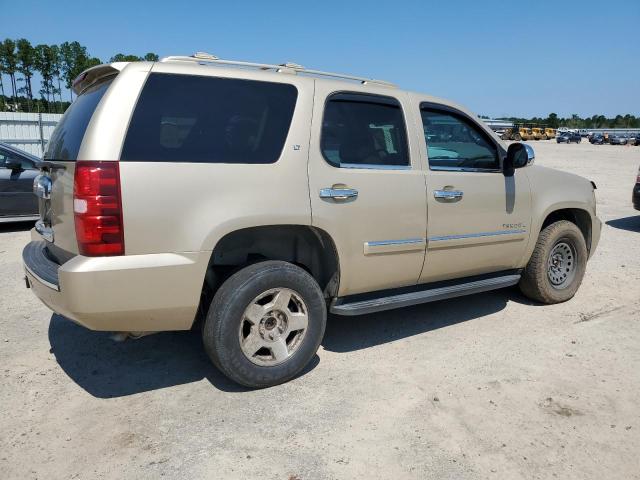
256,198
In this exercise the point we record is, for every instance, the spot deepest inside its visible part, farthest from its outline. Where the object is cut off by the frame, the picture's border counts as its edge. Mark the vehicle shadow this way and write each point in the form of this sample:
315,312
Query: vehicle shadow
632,224
346,334
16,226
107,369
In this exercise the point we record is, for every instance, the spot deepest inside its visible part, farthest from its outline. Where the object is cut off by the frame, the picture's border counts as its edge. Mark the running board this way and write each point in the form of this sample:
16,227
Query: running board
423,296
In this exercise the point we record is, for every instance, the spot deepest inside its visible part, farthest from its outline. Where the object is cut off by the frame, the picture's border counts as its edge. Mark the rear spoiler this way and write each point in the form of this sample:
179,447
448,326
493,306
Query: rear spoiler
93,74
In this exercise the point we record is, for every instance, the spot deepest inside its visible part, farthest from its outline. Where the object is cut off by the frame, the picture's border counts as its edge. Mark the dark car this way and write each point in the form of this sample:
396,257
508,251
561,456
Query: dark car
597,139
569,137
17,171
618,140
636,192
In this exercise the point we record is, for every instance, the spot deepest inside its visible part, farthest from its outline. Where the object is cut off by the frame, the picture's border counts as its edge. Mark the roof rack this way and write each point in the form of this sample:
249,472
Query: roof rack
289,67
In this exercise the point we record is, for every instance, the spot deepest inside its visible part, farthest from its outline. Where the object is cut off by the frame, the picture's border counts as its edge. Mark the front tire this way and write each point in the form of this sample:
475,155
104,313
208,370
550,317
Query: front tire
556,267
265,324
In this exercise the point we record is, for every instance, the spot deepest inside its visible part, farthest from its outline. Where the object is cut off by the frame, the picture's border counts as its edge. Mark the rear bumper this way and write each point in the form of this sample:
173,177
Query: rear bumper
127,293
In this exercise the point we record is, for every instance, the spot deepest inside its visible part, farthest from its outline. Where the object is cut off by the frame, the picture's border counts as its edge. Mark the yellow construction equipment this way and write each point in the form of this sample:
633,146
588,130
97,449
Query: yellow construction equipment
517,133
522,132
538,133
525,133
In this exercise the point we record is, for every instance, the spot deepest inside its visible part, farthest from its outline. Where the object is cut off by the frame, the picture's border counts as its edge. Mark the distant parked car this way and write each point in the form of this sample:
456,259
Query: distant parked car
569,137
631,138
583,132
636,192
597,139
17,171
618,140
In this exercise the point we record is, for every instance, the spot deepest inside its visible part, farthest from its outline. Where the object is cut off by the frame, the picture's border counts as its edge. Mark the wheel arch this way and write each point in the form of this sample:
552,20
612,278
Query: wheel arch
308,247
574,212
578,216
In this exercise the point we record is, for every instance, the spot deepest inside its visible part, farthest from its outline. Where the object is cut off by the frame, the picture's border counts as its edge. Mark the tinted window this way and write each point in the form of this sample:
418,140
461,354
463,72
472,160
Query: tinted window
454,141
67,137
363,130
183,118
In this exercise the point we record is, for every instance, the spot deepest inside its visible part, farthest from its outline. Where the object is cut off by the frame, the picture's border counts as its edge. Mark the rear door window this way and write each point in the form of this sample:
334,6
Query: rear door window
67,137
364,131
186,118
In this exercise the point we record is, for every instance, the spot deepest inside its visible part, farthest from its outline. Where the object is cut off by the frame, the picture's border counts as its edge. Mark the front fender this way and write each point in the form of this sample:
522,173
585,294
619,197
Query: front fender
554,190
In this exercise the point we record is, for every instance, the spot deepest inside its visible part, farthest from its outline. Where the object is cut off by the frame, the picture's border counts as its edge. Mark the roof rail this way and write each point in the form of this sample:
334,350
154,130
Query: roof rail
289,67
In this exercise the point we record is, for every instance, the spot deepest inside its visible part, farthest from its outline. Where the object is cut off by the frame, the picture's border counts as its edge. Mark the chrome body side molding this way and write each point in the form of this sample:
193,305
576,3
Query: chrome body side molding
452,241
476,235
394,246
23,218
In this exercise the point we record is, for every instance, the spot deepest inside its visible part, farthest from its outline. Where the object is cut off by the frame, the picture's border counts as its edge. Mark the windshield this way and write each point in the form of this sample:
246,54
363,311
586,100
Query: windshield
67,137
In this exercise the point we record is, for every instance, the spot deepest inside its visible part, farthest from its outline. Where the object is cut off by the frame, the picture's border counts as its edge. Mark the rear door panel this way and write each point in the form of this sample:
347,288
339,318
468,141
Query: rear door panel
380,234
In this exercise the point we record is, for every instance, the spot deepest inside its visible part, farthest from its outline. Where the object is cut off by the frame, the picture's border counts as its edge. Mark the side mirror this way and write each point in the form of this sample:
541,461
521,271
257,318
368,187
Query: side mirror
518,155
13,164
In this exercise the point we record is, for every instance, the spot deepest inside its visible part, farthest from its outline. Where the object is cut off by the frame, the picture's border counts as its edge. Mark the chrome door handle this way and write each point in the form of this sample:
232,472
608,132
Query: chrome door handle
338,193
448,194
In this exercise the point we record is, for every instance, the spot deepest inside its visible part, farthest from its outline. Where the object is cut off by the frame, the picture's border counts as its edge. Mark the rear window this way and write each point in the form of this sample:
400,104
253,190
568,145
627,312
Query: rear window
184,118
67,137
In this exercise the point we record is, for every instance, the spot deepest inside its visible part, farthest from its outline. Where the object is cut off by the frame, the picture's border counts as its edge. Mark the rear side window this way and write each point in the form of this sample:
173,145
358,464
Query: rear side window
67,137
184,118
364,131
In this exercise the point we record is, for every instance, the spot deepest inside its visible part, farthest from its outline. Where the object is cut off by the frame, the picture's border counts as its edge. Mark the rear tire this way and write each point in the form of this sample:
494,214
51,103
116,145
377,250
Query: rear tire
556,267
265,324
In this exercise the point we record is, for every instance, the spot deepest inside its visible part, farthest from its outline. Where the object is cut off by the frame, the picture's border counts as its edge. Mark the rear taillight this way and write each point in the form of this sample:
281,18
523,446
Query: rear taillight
97,208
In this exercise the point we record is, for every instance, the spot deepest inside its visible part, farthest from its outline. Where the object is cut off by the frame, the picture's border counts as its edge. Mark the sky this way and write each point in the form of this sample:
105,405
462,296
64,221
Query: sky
498,58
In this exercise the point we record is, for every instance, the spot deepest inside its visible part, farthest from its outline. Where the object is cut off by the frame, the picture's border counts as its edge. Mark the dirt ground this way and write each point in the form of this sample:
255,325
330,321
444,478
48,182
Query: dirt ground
489,386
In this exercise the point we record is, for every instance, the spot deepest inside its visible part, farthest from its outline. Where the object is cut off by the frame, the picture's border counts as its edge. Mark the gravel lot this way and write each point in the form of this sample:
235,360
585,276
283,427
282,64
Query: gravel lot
490,386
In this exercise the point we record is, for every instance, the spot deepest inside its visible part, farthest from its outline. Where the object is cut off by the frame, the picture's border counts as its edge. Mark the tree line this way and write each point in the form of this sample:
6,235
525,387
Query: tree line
58,66
575,121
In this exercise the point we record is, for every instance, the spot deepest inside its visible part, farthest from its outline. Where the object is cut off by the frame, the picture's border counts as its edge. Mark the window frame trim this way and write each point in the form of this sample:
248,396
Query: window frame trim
439,107
366,166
